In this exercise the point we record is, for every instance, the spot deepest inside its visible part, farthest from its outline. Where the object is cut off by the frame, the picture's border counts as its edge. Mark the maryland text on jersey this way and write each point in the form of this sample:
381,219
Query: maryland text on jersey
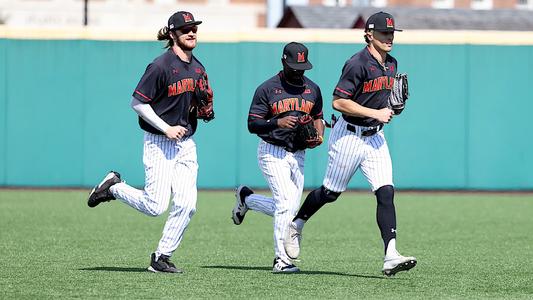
181,86
377,84
291,104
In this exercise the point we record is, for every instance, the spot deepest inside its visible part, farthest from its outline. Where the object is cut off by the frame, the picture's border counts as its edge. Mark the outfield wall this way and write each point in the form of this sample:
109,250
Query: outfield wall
65,118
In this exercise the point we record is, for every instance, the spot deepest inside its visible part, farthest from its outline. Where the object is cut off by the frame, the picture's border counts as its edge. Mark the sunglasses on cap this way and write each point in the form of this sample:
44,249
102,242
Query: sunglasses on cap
188,29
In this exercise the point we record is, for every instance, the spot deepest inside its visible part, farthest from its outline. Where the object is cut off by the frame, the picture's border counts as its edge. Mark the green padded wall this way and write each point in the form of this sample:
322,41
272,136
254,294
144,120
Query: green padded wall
44,144
3,110
500,144
66,119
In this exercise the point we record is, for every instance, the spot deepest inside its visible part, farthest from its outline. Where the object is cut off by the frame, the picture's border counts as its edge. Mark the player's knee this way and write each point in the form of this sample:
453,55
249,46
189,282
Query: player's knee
156,211
328,196
385,194
386,190
191,211
183,210
281,211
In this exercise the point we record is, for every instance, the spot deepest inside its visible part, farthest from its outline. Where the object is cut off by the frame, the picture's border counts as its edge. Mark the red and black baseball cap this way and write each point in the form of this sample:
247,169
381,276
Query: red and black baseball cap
181,19
382,22
295,56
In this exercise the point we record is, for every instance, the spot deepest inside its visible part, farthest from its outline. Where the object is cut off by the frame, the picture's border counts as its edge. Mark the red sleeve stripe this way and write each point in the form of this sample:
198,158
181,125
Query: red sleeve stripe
317,116
343,91
254,115
142,95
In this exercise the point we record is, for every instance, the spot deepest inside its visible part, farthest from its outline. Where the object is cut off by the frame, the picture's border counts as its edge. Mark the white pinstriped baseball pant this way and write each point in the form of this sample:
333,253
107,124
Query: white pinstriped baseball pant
284,172
170,169
349,150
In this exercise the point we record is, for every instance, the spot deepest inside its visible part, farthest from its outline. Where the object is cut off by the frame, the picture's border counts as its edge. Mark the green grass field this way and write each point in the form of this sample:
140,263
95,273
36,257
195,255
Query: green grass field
468,246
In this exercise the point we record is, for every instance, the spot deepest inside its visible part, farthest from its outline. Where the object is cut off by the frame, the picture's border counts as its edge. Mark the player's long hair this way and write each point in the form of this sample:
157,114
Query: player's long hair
164,34
366,37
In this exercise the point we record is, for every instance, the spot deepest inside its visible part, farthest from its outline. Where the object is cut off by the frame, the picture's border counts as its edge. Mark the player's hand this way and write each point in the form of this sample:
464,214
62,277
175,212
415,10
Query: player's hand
287,122
175,132
384,115
315,142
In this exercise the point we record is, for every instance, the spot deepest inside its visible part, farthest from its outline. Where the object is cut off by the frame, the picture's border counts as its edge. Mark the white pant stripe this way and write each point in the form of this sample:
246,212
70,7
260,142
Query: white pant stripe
284,172
261,203
171,169
349,150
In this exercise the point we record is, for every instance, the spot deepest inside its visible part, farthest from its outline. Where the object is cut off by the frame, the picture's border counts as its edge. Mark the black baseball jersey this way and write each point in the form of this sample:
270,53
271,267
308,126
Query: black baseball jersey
366,82
168,86
275,99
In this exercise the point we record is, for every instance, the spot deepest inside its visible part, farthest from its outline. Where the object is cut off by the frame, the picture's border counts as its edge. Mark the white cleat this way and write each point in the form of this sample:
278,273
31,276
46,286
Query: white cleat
292,241
240,209
280,266
395,264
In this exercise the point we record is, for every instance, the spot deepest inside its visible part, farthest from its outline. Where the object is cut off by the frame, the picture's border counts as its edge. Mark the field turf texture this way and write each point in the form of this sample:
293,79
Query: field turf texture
468,246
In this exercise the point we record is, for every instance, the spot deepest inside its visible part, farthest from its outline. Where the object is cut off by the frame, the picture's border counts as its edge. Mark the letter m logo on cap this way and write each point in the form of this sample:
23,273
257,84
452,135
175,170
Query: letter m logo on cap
390,22
188,18
301,57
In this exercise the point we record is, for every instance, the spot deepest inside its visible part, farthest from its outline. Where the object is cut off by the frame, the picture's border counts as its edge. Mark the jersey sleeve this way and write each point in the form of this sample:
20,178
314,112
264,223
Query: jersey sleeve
259,107
316,111
349,81
149,85
258,121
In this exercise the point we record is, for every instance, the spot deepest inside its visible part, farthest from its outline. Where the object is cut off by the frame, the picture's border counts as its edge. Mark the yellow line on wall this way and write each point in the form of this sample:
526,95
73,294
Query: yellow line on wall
279,35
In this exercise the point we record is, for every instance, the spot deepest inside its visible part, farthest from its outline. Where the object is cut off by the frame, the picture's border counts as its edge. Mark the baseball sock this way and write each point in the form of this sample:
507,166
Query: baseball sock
391,249
386,214
310,206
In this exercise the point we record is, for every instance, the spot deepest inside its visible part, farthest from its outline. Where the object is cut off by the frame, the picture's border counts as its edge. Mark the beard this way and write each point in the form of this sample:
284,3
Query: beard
184,46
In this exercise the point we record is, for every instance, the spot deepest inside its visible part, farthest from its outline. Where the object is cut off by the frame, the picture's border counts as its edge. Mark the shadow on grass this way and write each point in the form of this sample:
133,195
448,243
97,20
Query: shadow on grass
246,268
115,269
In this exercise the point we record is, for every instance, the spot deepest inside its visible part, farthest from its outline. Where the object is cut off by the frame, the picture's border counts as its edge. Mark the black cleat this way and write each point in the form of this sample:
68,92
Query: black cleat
101,192
240,209
162,265
280,266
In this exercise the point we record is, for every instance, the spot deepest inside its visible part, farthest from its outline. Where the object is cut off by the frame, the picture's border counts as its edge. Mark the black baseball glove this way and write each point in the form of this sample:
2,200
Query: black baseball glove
399,93
204,99
306,134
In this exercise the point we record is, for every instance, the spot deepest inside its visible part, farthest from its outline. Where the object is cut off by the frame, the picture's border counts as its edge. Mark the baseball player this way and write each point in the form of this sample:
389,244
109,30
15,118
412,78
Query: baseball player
274,113
357,140
165,101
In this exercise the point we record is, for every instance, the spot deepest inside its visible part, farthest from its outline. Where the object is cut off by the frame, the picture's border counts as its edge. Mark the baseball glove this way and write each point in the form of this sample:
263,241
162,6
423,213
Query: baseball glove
204,99
306,134
399,93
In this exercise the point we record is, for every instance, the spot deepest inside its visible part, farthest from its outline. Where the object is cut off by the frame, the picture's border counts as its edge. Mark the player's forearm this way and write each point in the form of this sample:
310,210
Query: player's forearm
259,126
351,108
148,114
319,125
